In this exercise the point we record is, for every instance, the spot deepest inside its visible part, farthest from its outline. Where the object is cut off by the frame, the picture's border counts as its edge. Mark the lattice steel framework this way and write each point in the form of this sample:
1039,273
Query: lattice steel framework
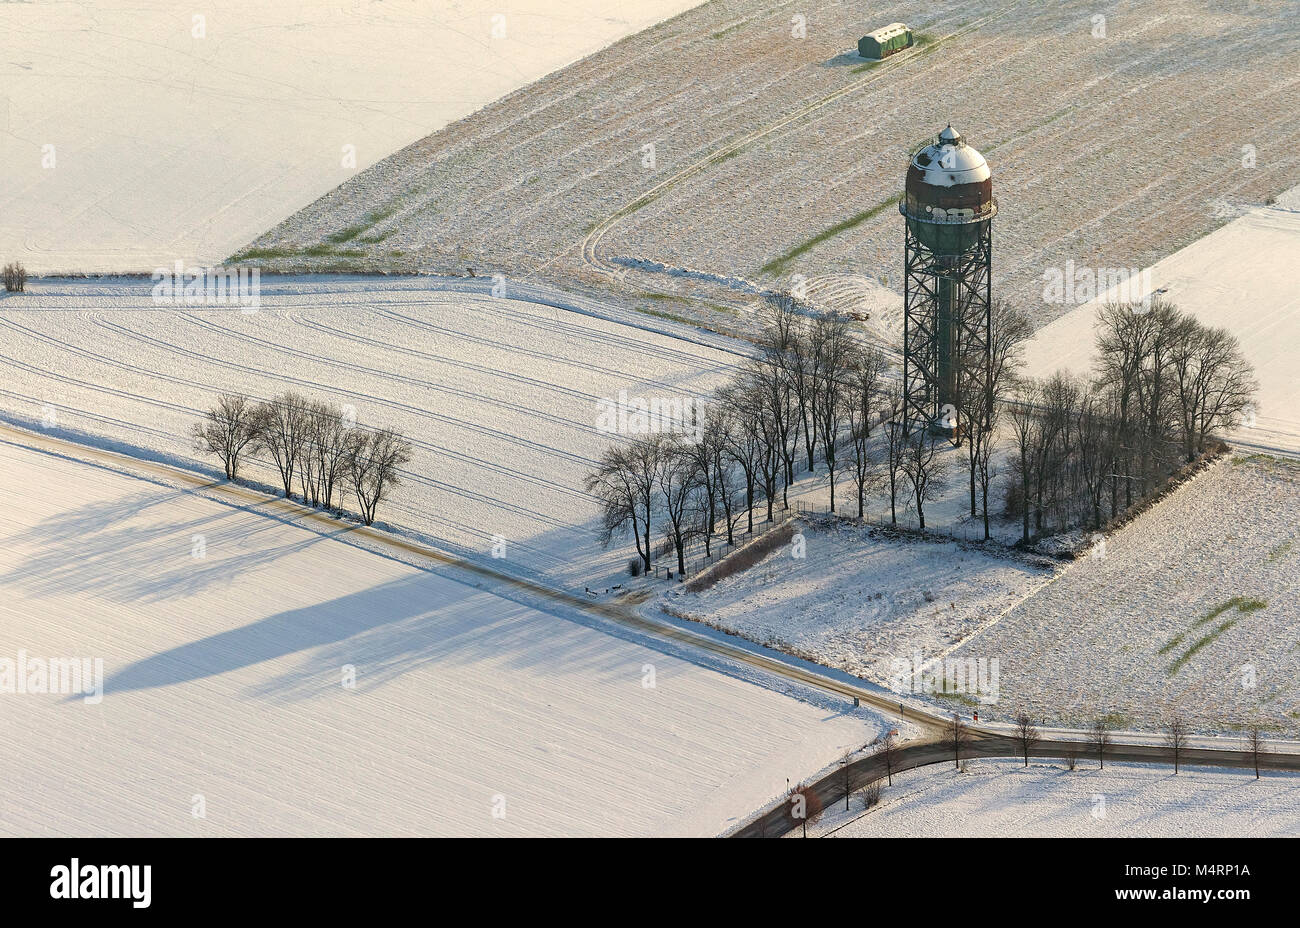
947,324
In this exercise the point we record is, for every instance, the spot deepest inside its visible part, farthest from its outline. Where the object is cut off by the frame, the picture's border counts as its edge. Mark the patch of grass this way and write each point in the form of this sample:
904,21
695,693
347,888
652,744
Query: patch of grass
1204,640
963,698
263,254
1242,604
351,232
1173,643
671,317
777,266
732,28
347,235
328,251
1280,551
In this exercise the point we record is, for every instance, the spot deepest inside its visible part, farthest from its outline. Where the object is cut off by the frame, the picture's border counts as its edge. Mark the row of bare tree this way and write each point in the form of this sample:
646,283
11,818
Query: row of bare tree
15,277
812,391
315,447
803,804
1081,450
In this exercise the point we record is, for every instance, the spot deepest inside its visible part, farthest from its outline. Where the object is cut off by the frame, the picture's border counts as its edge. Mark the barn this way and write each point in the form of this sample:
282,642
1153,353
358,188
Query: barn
885,41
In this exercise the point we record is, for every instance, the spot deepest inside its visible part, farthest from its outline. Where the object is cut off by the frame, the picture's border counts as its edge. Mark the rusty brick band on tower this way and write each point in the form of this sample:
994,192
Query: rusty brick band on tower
948,208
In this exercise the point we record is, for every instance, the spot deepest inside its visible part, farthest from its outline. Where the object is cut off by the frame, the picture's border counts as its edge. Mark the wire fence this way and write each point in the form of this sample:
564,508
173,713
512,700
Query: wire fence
697,555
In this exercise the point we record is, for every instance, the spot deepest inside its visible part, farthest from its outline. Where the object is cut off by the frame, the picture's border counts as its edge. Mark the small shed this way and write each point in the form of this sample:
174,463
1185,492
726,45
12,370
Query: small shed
885,41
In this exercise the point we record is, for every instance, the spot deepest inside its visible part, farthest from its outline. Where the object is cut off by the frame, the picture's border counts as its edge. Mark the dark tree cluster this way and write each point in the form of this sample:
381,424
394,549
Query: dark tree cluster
318,453
1085,450
812,393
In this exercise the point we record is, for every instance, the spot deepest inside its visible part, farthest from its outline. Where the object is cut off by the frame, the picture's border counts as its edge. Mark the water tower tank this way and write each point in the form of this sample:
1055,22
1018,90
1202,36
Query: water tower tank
949,191
948,208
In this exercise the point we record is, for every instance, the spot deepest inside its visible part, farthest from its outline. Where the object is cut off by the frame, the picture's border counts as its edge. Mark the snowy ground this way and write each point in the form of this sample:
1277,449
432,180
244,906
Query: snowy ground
1000,798
858,603
1242,278
134,134
777,152
501,396
224,690
1190,607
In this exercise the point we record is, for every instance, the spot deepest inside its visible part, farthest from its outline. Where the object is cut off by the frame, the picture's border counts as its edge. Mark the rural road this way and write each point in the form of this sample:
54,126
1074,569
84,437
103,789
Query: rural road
775,820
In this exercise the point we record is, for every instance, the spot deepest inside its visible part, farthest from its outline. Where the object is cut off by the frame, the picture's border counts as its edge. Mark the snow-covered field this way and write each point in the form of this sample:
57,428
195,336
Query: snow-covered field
500,396
746,140
1002,799
224,687
1242,278
858,603
1190,607
136,133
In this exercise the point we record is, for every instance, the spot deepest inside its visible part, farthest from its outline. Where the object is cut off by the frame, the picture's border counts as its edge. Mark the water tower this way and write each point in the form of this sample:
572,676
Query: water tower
948,208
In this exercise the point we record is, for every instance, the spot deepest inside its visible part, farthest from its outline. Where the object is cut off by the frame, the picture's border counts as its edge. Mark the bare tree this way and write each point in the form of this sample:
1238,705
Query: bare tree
1255,743
985,469
887,750
895,446
743,444
624,482
329,448
1213,380
1026,734
776,426
835,363
958,735
373,461
712,472
282,431
926,470
228,430
802,805
779,356
986,378
865,380
1024,427
1099,738
1176,738
15,277
679,481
